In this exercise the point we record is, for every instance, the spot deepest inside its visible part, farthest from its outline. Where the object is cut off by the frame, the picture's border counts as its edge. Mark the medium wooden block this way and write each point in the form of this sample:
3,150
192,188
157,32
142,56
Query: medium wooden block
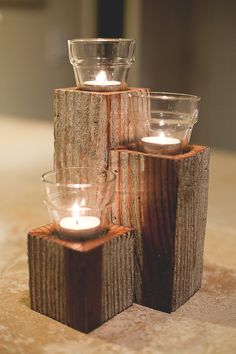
81,284
164,198
88,124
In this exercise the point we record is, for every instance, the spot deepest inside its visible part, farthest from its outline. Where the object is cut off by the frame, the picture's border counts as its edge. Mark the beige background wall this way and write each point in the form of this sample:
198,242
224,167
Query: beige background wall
183,46
33,53
190,46
213,73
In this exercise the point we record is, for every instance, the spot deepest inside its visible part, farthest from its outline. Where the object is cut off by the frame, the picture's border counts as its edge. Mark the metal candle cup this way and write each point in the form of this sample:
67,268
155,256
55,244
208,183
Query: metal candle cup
79,225
161,145
102,84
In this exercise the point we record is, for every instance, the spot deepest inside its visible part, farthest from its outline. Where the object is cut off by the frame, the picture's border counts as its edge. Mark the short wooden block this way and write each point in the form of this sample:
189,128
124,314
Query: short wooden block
88,124
164,198
81,284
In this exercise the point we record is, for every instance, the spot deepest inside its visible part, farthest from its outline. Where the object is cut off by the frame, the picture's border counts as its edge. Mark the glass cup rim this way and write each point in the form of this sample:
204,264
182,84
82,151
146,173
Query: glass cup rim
172,96
45,175
100,40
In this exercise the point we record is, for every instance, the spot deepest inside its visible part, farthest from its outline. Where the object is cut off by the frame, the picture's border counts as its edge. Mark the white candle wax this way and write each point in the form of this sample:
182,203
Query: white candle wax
80,223
159,140
161,144
101,83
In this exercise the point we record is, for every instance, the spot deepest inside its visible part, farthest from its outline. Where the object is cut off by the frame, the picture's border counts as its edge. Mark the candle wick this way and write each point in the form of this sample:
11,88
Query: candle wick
77,221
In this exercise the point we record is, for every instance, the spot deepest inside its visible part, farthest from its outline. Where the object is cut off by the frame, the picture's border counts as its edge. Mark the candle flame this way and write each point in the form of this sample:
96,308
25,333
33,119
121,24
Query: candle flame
162,137
101,77
82,202
162,123
76,210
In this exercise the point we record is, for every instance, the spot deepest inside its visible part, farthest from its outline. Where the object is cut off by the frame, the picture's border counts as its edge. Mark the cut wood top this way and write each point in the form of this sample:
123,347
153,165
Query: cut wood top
48,232
192,151
105,93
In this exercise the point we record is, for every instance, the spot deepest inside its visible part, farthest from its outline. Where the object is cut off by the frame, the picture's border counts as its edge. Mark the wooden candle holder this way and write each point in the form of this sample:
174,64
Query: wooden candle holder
164,198
87,125
81,284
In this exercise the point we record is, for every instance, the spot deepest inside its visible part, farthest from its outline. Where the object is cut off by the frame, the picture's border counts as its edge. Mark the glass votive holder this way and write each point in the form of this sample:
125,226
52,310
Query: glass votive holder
79,201
101,64
171,120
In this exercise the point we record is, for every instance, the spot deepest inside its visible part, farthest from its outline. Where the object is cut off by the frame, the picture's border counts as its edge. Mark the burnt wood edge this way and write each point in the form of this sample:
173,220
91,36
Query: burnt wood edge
104,93
48,232
190,151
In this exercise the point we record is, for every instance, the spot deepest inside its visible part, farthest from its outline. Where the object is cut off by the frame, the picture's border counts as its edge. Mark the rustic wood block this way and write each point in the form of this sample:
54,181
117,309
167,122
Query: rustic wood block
88,124
81,284
164,198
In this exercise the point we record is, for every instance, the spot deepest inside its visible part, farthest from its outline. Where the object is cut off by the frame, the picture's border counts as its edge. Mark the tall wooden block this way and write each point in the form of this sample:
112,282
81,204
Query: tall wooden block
81,284
88,124
164,198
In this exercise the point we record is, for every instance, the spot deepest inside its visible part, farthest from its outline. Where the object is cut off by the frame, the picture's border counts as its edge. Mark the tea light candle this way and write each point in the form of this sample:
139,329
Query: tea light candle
80,223
79,226
101,83
161,145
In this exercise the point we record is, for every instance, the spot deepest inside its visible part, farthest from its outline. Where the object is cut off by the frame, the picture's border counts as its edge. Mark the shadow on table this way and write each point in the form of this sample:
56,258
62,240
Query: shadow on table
195,322
216,300
207,317
25,299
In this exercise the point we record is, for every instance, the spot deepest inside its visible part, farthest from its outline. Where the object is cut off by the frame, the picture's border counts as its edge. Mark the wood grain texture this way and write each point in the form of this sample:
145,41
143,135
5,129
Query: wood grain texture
88,124
81,284
164,198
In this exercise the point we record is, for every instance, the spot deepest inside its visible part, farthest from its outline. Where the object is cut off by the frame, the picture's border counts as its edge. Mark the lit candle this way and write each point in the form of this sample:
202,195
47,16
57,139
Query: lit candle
77,225
161,145
101,83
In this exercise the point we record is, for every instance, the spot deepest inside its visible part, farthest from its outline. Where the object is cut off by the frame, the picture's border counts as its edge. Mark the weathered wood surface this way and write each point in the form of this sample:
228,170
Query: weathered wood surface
88,124
81,284
164,198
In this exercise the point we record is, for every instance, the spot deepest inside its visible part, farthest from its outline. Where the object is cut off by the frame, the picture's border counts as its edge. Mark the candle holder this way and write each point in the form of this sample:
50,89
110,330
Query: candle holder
78,278
78,201
81,284
170,124
164,199
101,64
152,254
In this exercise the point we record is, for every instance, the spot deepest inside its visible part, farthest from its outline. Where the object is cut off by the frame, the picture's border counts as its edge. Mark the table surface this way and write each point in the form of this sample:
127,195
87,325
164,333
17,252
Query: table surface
205,324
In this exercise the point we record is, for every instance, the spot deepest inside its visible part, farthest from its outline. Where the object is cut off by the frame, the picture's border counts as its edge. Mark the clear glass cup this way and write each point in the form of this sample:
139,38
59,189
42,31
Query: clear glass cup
101,64
170,124
79,201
